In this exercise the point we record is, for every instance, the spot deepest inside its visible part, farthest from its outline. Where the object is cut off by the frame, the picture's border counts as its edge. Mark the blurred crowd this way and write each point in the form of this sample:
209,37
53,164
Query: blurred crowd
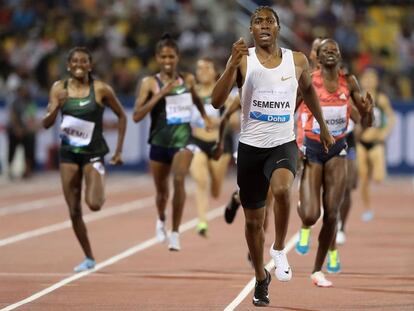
379,36
36,35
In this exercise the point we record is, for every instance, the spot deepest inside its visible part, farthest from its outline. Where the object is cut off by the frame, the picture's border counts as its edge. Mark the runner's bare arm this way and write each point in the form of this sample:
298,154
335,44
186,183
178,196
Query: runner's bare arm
385,105
226,81
232,108
364,105
299,100
191,83
57,97
109,98
355,116
144,103
235,105
311,99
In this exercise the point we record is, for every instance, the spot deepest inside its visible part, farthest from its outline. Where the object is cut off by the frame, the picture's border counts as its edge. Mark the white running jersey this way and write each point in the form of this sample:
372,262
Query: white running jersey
268,99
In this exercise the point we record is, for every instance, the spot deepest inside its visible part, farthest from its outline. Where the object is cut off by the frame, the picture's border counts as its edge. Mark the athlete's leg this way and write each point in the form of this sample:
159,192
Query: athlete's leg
200,172
281,186
94,185
71,176
309,203
309,208
268,207
351,182
377,160
218,170
334,180
180,167
268,213
160,172
255,236
363,175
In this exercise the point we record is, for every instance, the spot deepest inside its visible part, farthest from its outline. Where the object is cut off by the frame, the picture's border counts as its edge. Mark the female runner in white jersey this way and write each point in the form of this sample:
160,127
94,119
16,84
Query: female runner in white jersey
268,77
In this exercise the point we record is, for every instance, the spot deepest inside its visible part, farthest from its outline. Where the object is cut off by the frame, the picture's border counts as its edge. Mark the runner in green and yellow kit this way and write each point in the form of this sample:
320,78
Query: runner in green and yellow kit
81,101
169,97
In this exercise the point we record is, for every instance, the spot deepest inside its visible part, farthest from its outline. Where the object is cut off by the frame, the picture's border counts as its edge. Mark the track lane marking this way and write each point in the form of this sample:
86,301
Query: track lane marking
110,261
250,285
57,199
105,213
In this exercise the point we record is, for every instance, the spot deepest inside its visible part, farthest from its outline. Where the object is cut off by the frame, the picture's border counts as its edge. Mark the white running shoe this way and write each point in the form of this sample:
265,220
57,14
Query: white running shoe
340,238
283,271
318,278
174,241
160,231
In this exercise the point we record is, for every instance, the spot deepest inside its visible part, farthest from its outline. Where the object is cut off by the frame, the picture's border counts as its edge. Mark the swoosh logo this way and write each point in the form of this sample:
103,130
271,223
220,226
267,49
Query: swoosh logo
180,91
284,159
284,79
83,102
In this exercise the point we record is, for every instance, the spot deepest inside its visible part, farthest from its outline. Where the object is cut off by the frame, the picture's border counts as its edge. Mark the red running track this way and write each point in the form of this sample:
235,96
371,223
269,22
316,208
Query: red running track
38,251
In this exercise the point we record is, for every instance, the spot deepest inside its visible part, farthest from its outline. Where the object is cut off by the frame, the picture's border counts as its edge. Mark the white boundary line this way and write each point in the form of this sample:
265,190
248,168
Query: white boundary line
46,202
110,261
105,213
249,286
29,206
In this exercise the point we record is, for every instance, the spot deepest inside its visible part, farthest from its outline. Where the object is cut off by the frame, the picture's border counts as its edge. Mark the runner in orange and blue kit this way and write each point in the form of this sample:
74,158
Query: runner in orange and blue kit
326,170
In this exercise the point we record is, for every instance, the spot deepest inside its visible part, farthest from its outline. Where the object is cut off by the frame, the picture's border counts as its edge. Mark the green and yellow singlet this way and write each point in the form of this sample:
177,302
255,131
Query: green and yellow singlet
81,128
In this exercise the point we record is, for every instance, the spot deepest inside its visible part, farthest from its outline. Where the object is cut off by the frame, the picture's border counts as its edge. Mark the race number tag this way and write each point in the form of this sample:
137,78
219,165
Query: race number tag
271,106
335,118
76,132
178,108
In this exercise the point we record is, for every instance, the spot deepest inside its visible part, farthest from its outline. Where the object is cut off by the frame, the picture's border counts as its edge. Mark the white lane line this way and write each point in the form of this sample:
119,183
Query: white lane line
105,213
58,199
29,206
249,286
110,261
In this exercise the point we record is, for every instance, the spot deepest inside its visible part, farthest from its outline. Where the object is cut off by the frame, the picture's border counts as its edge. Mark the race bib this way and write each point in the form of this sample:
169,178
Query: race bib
335,118
178,108
76,132
271,106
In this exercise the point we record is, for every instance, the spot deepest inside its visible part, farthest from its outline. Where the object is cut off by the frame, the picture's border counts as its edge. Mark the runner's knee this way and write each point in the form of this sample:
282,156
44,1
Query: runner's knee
281,192
254,224
179,178
162,198
95,202
94,206
310,217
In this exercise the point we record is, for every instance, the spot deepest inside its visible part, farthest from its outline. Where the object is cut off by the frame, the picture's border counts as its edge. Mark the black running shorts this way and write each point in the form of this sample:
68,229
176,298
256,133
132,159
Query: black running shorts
162,154
66,156
196,144
255,167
